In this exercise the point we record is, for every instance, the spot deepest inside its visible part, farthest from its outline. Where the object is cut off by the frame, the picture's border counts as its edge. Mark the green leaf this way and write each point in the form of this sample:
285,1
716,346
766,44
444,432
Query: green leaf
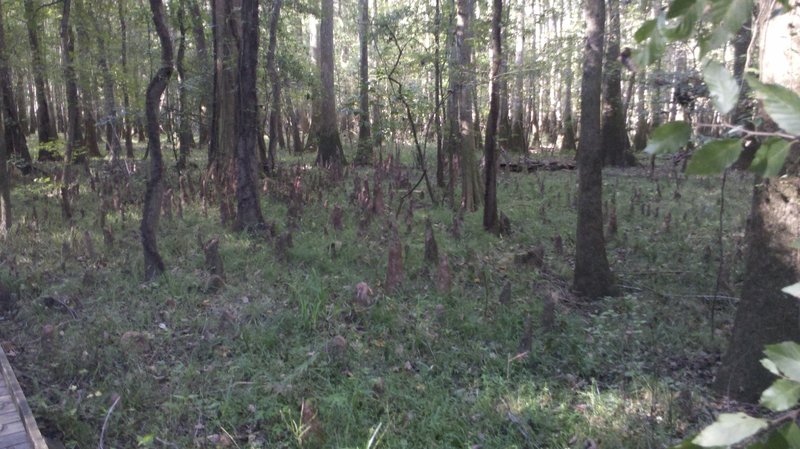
679,8
726,18
787,437
769,158
782,104
770,366
730,428
668,138
786,357
793,290
683,26
724,89
645,31
714,157
782,395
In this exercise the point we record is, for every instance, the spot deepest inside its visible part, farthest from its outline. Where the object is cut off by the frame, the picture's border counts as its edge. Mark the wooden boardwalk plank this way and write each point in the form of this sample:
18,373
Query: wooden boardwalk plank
18,429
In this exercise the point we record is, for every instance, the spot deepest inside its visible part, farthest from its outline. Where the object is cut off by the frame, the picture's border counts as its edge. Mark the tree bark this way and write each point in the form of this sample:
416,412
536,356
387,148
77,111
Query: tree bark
765,314
224,108
5,187
272,72
70,83
184,126
248,210
364,153
14,135
153,264
568,126
330,144
43,118
615,144
112,136
592,274
127,129
490,222
517,140
198,28
437,93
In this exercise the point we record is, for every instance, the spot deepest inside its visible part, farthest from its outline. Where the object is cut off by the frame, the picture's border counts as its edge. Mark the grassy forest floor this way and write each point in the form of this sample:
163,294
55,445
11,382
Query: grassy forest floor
282,356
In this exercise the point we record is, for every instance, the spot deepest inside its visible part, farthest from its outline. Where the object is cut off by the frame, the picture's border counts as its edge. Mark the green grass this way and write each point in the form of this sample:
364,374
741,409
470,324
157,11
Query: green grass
431,369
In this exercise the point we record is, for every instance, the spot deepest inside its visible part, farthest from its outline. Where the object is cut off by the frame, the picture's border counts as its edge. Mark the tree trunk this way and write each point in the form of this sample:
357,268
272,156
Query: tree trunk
615,144
330,144
28,126
568,131
224,108
437,93
490,222
364,153
517,140
272,72
43,118
112,136
127,129
5,186
766,315
184,126
592,274
88,86
206,70
248,210
71,84
14,135
153,264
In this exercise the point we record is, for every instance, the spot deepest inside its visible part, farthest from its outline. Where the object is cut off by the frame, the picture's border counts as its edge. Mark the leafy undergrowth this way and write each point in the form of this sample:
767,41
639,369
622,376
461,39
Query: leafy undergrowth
282,356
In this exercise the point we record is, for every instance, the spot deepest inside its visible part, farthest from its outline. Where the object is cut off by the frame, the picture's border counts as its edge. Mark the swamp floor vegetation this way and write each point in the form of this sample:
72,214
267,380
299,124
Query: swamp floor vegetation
281,355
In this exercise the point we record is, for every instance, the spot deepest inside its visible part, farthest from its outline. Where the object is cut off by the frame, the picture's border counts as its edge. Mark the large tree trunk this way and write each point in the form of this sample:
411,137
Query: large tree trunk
248,210
153,264
272,71
43,118
127,129
766,315
224,108
71,84
592,274
490,222
364,153
330,144
615,144
14,135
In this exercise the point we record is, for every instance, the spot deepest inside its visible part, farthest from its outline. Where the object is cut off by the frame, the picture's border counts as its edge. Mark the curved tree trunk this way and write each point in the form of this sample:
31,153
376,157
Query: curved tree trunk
766,315
330,151
153,264
43,119
592,274
248,210
490,222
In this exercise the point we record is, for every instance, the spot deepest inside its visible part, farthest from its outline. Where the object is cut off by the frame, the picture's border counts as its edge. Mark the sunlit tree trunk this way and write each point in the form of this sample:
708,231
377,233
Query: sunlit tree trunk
518,141
153,264
330,145
592,274
766,315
